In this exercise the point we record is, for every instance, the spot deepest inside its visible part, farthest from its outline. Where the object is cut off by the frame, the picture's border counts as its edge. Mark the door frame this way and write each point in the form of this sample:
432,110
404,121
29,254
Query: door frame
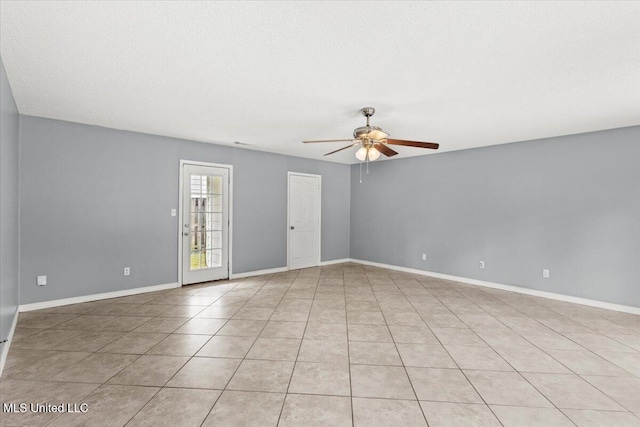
180,213
289,174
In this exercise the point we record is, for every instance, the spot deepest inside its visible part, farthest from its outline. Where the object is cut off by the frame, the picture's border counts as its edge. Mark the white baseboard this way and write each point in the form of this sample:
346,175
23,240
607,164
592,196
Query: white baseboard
95,297
335,261
258,272
511,288
282,269
5,348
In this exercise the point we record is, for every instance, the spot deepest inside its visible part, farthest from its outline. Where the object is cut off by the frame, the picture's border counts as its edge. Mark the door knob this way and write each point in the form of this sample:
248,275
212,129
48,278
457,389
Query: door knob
292,227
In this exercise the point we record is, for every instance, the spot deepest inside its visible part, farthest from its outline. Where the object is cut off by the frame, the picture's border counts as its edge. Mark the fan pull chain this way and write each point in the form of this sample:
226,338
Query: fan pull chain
367,163
360,172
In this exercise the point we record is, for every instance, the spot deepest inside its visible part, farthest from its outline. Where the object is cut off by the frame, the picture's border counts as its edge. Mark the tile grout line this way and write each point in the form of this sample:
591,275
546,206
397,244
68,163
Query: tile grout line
541,349
295,362
243,358
488,345
139,355
182,366
447,351
189,359
424,416
449,354
346,322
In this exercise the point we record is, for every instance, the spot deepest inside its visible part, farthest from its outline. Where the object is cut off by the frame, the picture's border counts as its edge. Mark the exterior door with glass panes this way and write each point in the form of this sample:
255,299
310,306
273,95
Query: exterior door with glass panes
205,228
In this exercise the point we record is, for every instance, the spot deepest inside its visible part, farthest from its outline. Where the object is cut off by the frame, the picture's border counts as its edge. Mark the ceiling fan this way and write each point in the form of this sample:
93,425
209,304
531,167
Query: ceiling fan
374,140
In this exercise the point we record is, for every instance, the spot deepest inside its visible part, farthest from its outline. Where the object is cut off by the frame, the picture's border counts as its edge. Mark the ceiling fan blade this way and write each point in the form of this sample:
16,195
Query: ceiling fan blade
385,150
328,140
431,145
343,148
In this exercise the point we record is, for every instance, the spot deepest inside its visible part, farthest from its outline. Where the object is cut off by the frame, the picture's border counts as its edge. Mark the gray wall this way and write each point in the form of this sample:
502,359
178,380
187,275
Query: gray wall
9,243
568,204
94,200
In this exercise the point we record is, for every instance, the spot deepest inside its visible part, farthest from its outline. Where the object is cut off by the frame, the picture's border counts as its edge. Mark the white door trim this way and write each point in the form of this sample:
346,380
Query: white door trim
289,173
180,213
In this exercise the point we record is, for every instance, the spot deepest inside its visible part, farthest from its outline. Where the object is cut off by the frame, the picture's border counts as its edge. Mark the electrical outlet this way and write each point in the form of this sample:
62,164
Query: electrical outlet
424,257
173,212
127,271
545,273
481,264
42,280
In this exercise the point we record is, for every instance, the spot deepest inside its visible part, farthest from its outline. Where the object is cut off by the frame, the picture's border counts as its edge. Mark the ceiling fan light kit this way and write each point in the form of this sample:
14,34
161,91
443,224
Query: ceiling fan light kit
365,153
373,141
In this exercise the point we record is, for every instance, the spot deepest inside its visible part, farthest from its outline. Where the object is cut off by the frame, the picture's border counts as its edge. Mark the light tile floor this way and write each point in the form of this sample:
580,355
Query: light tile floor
332,346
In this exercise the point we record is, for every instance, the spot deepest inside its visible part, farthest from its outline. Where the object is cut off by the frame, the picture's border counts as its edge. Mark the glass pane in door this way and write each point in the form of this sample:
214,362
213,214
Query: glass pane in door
206,222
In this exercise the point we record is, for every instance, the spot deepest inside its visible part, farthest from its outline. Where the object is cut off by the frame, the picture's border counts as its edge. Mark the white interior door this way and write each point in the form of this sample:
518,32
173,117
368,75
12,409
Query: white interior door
304,220
205,223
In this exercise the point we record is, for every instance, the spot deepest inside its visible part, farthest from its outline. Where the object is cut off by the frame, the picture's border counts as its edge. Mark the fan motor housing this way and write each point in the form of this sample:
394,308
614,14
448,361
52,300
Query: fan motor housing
363,131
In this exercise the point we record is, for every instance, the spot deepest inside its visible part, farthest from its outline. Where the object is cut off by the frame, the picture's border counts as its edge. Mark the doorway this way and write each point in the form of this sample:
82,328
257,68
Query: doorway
205,222
304,219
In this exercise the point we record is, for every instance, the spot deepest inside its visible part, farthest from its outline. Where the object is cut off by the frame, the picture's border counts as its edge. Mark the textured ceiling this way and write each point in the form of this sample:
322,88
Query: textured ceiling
270,74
